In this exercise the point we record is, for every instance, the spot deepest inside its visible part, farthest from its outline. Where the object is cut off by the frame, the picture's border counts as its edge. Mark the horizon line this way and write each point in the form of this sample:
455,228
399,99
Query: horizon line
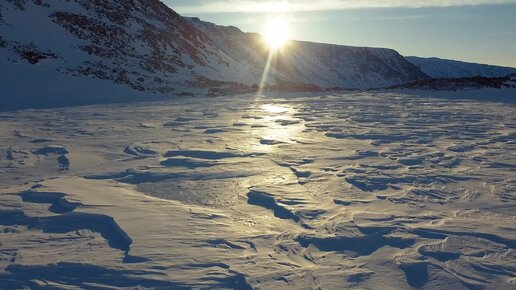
246,6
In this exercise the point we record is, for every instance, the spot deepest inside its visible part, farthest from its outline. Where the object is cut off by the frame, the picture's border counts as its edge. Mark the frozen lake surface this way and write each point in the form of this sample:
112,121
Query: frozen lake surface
365,191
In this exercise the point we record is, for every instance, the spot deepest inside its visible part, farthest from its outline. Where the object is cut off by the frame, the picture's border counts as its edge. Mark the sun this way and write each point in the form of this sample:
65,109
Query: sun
276,33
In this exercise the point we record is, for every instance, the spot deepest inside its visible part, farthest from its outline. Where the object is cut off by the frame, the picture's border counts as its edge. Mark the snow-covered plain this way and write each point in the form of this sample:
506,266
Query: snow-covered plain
359,190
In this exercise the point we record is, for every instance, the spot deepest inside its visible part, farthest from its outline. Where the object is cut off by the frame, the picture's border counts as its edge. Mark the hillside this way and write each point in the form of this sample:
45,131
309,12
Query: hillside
83,49
445,68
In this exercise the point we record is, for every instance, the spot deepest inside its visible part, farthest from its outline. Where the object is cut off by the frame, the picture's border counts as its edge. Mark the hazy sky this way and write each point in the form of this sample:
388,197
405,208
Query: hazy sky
472,30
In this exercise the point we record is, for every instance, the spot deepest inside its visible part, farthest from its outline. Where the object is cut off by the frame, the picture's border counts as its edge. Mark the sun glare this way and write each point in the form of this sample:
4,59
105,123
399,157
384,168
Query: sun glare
276,33
275,109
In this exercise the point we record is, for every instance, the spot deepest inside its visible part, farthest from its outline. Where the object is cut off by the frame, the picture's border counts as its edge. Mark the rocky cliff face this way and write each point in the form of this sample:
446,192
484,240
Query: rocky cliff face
144,45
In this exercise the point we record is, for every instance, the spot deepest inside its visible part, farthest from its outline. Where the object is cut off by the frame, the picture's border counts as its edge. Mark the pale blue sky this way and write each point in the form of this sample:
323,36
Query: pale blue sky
469,30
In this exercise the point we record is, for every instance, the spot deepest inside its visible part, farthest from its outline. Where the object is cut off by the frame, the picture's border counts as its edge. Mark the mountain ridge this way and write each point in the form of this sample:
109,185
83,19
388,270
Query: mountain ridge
143,49
447,68
145,45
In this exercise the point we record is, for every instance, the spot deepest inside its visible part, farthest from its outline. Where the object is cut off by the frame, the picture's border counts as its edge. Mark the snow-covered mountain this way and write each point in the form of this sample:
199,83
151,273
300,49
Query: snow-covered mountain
445,68
75,47
324,65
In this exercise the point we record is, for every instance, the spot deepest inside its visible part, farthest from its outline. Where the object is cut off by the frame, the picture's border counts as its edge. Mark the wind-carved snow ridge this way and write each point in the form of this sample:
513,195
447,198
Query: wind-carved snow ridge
358,190
67,220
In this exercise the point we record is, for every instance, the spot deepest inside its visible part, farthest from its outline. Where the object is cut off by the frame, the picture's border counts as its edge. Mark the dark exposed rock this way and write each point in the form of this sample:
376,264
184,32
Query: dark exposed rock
18,4
458,84
34,57
33,54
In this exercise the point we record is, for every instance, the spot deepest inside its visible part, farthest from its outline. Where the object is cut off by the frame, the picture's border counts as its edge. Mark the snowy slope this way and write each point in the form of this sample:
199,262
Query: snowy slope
324,65
444,68
146,46
142,44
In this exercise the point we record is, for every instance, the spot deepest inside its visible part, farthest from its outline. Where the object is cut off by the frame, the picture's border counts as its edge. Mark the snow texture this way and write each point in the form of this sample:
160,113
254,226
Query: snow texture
359,190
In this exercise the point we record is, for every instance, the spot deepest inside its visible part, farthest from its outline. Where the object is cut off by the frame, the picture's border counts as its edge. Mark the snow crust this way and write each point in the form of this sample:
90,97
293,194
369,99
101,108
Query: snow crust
360,190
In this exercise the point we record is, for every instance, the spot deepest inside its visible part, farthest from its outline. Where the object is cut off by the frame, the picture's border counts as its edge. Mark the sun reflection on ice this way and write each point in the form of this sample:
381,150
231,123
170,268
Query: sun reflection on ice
279,126
275,109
